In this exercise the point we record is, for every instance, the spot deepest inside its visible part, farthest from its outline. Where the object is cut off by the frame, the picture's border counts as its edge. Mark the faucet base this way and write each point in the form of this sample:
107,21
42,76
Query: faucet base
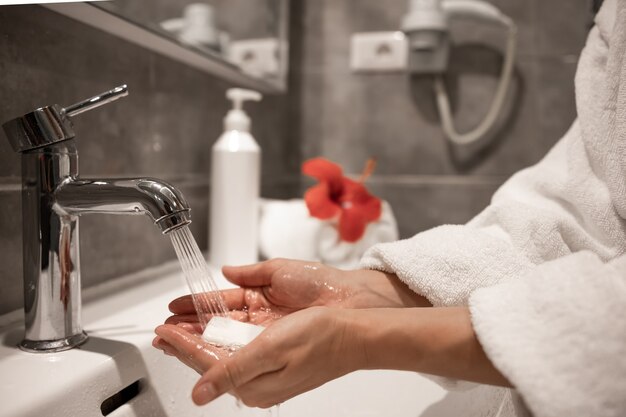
50,346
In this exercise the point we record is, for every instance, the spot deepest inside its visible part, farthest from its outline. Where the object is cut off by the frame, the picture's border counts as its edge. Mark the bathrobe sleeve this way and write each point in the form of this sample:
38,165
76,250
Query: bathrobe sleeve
559,335
542,268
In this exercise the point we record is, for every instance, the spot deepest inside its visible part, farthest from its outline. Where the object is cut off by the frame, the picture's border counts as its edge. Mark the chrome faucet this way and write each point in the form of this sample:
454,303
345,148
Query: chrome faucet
53,198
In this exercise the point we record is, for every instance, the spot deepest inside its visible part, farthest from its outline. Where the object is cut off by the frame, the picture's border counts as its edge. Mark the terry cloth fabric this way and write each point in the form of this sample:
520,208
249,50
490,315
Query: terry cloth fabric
537,266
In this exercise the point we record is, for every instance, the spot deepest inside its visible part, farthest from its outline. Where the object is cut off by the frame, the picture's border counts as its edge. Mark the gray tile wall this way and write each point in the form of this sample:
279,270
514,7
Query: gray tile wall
167,124
349,117
163,129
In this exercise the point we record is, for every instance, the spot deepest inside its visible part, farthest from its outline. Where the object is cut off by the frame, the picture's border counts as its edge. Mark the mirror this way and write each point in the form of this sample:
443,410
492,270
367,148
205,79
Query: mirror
244,41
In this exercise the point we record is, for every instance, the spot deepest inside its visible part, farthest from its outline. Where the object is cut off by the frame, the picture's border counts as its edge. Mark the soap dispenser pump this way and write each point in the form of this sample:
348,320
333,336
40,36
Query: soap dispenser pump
235,188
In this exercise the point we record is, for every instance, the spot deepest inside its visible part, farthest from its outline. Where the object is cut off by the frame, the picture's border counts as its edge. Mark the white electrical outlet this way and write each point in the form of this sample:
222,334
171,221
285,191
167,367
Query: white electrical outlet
378,52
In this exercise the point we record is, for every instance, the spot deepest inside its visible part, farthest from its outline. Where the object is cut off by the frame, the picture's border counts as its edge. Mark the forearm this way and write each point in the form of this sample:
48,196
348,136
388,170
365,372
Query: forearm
436,341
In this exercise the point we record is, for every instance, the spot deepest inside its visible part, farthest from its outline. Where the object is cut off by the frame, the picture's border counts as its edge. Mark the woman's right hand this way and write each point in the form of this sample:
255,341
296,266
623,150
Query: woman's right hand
271,289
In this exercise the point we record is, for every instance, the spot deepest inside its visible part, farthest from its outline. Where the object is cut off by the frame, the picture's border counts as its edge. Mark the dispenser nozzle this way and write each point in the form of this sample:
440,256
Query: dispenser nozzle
236,119
239,95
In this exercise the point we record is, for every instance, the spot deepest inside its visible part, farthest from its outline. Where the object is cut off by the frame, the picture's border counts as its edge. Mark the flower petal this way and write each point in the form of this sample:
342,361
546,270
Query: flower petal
352,224
357,195
325,171
372,209
319,203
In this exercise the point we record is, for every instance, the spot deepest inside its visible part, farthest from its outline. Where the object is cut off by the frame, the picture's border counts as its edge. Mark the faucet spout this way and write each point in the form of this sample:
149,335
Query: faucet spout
162,202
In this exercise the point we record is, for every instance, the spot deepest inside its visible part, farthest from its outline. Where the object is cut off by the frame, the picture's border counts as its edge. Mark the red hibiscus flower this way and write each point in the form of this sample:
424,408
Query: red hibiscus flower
339,196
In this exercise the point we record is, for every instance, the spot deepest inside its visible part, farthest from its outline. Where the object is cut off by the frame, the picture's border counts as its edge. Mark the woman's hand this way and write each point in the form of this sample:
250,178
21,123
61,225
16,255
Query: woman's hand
311,347
293,355
272,289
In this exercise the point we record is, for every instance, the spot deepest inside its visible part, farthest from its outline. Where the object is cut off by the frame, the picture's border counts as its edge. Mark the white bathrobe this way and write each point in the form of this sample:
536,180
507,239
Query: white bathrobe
543,268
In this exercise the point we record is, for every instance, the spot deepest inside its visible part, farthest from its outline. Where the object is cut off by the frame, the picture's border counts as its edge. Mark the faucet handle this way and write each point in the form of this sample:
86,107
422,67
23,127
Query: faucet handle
51,124
97,101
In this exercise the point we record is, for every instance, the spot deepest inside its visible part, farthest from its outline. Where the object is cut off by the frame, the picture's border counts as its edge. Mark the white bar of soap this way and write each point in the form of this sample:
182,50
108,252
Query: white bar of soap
227,332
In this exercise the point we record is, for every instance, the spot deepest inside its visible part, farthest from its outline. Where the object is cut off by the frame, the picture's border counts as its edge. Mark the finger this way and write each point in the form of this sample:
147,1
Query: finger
182,318
255,275
193,318
182,305
170,350
248,363
193,328
273,388
233,298
190,347
156,342
161,344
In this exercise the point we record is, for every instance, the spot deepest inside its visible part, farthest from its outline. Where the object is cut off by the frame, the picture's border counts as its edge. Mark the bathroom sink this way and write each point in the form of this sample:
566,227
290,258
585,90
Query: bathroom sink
117,371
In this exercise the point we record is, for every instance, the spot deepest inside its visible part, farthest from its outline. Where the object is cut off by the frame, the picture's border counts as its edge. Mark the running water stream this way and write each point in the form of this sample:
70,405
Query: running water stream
204,292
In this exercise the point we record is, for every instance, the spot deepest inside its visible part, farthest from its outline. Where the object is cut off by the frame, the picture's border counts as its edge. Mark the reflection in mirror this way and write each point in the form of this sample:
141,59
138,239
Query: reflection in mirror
250,34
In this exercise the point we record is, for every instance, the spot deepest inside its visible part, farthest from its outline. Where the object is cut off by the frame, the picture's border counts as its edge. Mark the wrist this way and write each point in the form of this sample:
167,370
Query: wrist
388,338
377,289
436,341
359,325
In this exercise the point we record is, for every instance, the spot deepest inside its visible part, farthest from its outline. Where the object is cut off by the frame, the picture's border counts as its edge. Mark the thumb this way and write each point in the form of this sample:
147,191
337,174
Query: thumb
247,364
255,275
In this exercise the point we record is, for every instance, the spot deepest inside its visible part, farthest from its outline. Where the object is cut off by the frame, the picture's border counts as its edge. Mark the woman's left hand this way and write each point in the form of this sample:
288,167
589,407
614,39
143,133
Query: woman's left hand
310,347
295,354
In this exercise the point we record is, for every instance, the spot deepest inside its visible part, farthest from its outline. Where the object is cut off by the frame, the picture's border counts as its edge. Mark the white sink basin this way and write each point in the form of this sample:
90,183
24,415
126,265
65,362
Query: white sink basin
75,383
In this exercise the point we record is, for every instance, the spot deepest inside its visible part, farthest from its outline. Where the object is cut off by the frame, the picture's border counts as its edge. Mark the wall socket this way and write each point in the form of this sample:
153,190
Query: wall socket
378,52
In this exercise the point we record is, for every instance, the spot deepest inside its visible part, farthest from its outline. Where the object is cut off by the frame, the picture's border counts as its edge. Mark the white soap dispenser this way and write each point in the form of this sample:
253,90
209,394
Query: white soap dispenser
235,188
